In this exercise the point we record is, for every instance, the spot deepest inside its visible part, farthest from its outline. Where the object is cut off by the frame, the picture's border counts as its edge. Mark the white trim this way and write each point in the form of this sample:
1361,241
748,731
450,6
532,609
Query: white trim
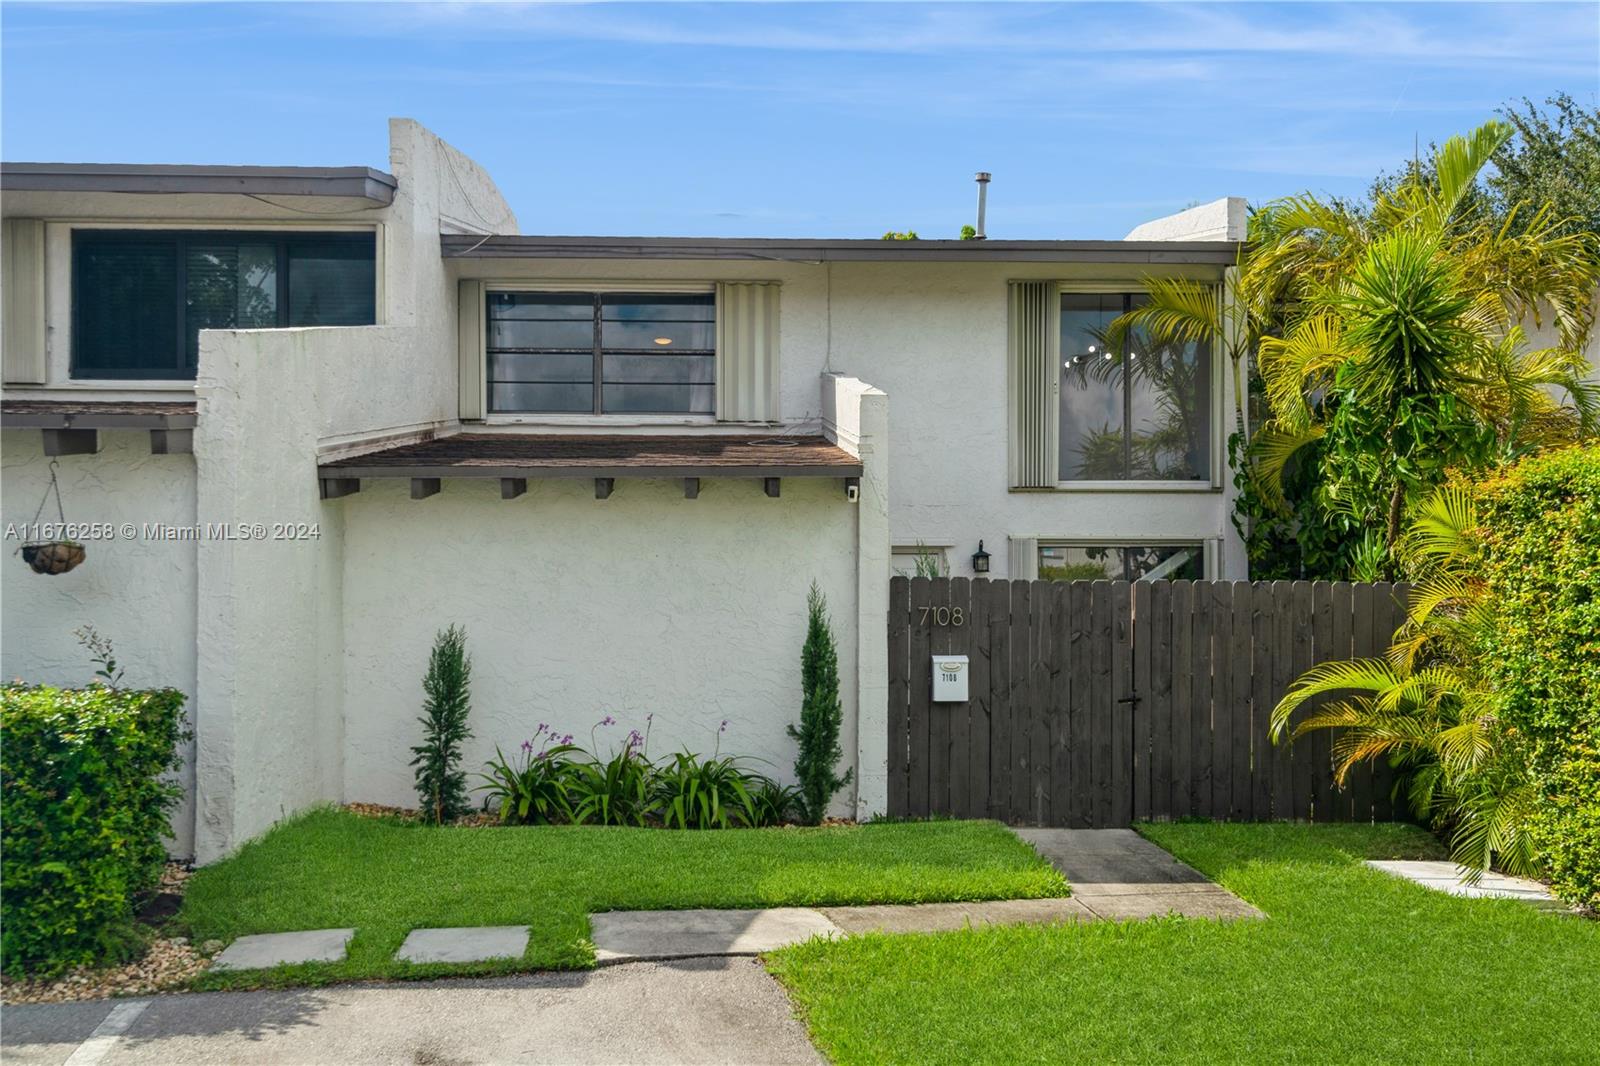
588,285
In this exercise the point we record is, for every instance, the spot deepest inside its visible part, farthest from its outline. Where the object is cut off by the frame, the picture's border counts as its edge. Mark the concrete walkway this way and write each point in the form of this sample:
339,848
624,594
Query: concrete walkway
1119,875
1443,876
703,1011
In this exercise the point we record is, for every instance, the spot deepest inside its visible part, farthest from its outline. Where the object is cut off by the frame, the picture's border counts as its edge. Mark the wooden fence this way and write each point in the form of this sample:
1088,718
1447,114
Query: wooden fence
1099,703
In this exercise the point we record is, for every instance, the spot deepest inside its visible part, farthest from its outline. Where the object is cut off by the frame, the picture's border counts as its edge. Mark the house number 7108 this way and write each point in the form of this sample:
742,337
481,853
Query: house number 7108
944,616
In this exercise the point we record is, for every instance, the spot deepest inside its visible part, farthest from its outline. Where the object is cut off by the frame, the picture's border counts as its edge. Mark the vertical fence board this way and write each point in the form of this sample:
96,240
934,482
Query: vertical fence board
1361,778
1239,808
1262,768
1202,722
1123,703
921,698
959,741
939,714
1221,699
1080,706
1041,692
1280,756
1144,620
1181,790
899,691
1060,703
1101,702
1158,716
981,708
1017,809
1000,708
1303,769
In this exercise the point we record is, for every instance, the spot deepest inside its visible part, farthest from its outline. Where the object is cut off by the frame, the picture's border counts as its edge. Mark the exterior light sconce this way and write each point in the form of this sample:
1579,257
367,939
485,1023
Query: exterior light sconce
980,560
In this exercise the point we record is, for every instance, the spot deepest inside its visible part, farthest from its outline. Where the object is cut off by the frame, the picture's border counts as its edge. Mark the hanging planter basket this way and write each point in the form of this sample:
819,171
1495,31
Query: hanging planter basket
54,557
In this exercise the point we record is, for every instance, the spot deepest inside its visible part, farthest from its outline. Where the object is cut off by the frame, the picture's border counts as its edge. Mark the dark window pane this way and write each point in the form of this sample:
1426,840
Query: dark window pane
332,283
662,369
125,321
514,398
1121,562
659,399
656,306
574,367
1091,390
229,286
1139,411
666,335
541,320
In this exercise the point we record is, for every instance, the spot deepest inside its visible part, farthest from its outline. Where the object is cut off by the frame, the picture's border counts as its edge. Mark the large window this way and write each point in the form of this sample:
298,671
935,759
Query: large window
602,353
140,298
1131,410
1121,562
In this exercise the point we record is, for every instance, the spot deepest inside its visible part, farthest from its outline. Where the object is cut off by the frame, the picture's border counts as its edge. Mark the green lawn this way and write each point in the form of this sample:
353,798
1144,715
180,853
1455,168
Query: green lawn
332,869
1352,966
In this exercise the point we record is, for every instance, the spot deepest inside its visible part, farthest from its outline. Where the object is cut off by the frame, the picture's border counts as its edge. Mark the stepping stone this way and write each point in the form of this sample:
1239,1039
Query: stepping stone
264,950
942,917
1448,877
473,943
620,936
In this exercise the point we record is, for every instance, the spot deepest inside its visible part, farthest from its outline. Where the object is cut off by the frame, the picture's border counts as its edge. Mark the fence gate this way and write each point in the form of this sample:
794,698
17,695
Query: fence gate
1100,703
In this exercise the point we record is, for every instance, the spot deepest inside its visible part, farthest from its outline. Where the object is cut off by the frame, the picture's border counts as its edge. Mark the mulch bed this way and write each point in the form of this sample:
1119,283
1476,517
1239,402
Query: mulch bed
168,966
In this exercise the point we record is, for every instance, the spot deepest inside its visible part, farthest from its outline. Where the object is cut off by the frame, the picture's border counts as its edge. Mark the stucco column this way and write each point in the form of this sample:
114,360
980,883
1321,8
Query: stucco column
872,607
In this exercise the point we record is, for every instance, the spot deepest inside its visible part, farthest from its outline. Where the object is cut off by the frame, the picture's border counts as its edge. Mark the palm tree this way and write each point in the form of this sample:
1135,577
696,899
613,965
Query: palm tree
1426,706
1388,338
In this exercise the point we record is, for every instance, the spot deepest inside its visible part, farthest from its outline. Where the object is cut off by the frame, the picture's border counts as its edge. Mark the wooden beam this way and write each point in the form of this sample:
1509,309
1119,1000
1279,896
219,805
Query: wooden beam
172,442
602,487
334,487
423,487
691,488
71,441
773,484
512,487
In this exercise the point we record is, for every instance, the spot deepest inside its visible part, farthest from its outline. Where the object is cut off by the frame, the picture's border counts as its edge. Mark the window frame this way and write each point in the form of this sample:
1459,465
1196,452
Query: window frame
183,236
1218,406
487,287
1210,549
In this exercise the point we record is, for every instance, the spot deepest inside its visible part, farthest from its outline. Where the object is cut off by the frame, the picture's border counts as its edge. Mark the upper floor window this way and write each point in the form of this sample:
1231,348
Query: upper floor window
1131,410
141,297
601,353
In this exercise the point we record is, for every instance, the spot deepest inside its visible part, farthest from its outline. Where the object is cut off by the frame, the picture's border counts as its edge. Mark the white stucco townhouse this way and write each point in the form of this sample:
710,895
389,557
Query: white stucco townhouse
302,418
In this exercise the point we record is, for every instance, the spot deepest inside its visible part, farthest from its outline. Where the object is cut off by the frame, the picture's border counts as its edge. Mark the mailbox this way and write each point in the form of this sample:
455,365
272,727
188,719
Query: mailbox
950,679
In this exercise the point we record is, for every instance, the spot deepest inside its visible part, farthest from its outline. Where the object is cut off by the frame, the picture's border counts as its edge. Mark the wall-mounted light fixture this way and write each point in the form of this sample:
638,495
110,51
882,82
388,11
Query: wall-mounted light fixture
980,560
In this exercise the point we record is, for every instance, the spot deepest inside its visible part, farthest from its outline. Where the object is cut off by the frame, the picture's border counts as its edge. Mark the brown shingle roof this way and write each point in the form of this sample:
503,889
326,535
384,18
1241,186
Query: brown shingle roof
610,455
97,414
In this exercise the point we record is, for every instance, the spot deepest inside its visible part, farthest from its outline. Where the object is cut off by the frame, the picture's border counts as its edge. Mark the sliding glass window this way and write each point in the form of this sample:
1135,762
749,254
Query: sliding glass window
140,297
1131,410
601,353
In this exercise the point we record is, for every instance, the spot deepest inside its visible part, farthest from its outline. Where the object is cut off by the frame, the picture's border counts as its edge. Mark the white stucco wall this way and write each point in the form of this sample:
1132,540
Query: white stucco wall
575,608
138,592
933,337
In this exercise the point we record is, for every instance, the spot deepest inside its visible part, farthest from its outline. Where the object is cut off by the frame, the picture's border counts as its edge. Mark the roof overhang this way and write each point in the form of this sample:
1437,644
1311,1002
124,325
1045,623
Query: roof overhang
1214,253
516,457
72,427
362,183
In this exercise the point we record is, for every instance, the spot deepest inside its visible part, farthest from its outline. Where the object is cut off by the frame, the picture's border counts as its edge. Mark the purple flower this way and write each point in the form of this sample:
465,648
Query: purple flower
608,720
527,745
650,717
541,729
635,738
724,728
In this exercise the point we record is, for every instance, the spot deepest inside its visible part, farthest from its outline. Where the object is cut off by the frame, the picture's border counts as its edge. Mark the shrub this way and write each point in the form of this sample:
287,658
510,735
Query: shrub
1539,522
441,783
767,802
820,715
536,790
621,790
84,813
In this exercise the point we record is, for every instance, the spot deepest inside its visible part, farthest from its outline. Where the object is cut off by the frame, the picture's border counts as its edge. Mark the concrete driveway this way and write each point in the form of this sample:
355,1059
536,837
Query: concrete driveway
723,1010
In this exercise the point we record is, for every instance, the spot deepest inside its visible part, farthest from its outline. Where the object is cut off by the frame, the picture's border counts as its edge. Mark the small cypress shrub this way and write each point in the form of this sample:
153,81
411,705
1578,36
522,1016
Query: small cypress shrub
441,783
820,715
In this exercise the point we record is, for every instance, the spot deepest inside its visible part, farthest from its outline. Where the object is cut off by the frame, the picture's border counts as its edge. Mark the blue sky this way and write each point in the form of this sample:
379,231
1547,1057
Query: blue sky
797,119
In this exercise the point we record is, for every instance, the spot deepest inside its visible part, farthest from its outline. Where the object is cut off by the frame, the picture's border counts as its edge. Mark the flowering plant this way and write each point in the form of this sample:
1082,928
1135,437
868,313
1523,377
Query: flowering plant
537,788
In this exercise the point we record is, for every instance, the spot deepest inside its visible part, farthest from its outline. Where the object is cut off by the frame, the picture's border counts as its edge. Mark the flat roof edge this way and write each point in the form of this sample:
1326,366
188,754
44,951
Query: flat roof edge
836,250
364,183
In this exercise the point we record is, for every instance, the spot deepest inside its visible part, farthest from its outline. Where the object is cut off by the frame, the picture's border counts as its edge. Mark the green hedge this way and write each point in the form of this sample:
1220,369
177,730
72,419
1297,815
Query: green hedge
1540,523
83,815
